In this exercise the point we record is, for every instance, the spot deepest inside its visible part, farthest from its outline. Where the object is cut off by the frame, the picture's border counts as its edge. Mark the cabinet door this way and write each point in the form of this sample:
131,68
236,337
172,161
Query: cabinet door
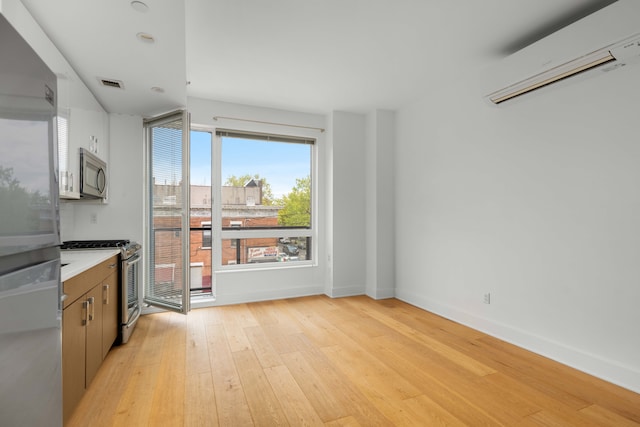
73,355
94,333
109,312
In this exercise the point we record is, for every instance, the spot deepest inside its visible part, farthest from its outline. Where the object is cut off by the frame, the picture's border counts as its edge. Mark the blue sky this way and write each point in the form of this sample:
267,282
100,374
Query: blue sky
279,163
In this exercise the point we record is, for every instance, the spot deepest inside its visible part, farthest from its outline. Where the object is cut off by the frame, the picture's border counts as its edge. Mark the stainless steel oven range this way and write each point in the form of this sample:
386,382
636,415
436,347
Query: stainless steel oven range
130,276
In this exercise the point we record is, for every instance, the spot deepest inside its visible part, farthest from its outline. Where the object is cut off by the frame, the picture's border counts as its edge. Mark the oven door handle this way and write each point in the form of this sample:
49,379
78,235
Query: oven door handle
127,264
134,259
127,328
136,313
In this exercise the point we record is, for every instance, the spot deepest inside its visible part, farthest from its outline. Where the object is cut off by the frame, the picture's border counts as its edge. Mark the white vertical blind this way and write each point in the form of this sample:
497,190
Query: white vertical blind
63,139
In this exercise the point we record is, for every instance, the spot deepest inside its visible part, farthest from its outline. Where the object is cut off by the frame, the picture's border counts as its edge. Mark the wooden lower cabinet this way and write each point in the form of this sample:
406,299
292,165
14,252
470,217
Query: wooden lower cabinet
89,328
73,355
93,349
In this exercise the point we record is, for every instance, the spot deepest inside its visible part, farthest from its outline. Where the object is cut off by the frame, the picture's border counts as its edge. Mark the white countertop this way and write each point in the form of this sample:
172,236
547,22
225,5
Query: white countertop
79,261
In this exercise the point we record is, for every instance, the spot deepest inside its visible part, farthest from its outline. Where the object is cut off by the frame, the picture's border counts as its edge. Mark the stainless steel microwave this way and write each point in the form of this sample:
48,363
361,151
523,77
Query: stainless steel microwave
93,176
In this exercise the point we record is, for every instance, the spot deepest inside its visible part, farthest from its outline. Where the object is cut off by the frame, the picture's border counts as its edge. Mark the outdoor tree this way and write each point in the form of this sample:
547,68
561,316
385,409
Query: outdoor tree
241,181
296,206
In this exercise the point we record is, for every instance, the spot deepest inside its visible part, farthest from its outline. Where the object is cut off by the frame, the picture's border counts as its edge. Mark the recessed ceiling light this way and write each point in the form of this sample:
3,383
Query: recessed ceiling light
139,6
157,89
145,37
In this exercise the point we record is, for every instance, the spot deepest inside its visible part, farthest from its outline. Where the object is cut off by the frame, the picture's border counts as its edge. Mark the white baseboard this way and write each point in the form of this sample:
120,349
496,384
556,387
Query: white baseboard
592,364
347,291
383,293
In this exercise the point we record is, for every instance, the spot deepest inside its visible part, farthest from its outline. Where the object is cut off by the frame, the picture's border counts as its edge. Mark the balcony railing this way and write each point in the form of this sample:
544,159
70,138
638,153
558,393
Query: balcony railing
234,251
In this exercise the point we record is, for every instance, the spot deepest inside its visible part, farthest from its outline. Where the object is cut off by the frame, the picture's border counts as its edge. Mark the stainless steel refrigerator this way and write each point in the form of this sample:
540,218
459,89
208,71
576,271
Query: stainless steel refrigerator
30,290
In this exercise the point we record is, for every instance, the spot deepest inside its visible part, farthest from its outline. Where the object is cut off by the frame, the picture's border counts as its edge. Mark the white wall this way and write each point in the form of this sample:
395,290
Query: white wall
122,216
380,202
254,285
347,253
537,204
360,209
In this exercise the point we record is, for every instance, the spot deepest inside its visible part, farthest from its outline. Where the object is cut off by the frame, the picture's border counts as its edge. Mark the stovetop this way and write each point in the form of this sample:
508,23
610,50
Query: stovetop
127,247
94,244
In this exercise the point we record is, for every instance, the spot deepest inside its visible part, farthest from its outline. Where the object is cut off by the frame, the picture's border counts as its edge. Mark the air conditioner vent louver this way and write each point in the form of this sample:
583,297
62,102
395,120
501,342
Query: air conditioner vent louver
112,83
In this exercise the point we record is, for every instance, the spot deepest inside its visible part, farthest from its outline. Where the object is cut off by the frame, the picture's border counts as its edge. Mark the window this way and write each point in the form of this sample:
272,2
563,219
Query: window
266,199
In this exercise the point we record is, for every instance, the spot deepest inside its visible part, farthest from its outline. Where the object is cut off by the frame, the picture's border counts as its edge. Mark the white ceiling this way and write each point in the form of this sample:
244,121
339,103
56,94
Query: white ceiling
304,55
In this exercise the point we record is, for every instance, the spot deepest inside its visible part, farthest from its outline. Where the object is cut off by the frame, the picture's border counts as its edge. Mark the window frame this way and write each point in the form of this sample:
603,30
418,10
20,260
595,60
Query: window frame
183,119
294,232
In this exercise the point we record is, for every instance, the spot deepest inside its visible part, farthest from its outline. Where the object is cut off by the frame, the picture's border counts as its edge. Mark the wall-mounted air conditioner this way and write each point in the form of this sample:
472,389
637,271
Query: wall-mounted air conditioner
604,59
550,60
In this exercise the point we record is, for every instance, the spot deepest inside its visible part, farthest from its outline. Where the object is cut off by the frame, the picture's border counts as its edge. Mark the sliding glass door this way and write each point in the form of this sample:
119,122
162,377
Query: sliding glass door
167,279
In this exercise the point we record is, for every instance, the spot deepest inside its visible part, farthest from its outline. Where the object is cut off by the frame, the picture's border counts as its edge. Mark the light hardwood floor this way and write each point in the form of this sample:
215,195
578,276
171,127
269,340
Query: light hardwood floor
337,362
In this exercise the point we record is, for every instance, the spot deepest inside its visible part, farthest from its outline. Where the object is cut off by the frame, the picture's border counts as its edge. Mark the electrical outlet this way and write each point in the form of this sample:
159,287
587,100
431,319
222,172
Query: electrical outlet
93,218
487,298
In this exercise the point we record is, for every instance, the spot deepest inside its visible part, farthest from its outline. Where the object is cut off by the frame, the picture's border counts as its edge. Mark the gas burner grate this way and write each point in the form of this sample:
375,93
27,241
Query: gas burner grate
94,244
